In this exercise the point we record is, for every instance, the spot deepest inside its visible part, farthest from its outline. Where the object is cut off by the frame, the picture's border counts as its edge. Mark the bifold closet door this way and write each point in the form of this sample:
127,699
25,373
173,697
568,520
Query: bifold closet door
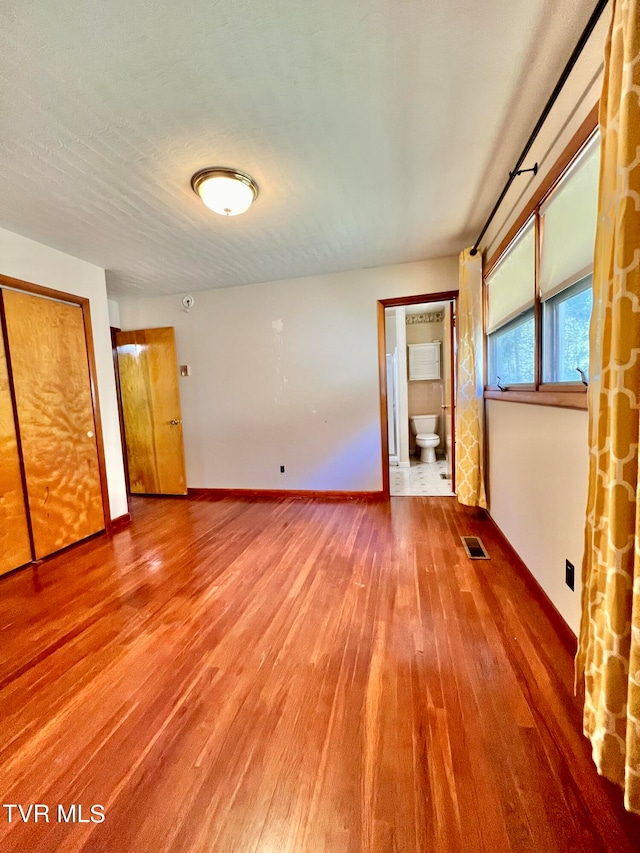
48,354
15,547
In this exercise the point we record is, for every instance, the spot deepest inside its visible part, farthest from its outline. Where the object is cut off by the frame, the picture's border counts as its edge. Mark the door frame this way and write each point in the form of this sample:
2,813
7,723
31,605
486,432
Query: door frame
442,296
84,303
125,461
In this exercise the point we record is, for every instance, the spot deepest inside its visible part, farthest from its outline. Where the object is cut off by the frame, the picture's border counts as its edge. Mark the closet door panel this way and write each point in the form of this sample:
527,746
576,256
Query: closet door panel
15,547
48,350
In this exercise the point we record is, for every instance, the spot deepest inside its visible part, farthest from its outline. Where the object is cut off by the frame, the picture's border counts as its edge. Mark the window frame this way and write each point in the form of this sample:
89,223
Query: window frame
550,330
560,394
514,322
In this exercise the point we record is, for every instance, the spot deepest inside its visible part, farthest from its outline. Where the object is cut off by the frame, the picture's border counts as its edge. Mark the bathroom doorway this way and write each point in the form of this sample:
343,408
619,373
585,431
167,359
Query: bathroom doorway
417,342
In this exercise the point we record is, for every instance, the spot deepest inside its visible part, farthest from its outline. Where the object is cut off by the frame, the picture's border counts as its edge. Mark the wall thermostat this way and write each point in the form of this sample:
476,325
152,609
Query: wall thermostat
188,301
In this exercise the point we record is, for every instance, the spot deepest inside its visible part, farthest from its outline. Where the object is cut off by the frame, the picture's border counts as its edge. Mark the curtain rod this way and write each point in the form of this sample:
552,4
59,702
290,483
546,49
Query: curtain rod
584,38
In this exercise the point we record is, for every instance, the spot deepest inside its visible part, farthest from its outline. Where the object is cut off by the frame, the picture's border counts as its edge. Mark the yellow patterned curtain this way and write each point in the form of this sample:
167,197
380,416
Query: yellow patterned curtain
469,398
609,647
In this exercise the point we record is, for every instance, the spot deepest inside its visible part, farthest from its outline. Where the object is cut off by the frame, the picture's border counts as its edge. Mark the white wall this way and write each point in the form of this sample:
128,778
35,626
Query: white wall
402,398
579,95
390,330
30,261
114,313
538,492
285,373
538,458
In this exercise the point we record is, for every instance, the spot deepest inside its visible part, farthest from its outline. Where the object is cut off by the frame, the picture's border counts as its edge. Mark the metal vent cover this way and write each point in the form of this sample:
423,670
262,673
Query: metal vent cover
474,548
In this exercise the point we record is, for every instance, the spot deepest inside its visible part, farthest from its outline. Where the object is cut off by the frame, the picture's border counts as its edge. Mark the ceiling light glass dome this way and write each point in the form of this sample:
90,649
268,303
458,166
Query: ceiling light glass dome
225,191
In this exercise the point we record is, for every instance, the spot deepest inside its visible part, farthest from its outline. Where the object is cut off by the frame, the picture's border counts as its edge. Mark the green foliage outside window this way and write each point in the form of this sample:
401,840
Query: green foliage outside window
512,352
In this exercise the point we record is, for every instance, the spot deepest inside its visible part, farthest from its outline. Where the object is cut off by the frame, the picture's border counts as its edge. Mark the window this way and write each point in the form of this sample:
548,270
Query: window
568,231
511,315
566,333
512,352
556,292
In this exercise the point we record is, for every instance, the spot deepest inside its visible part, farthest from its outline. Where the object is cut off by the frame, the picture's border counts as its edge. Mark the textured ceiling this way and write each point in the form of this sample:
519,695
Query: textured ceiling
379,131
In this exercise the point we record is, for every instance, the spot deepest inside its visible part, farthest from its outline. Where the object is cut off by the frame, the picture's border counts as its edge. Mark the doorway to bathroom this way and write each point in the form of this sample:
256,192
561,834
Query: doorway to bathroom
417,343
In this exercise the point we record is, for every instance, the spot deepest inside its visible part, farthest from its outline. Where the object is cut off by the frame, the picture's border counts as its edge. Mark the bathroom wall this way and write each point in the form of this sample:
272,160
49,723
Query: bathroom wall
425,333
425,396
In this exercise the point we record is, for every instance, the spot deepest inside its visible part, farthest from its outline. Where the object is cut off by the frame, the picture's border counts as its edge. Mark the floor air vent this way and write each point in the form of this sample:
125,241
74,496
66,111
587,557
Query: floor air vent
474,548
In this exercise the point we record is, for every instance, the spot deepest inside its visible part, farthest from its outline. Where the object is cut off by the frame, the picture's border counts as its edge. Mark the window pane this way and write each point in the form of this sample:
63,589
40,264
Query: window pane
511,352
566,319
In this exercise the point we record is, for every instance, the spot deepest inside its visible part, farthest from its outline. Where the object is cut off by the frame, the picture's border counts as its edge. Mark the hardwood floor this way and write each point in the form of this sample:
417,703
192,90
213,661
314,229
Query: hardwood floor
293,676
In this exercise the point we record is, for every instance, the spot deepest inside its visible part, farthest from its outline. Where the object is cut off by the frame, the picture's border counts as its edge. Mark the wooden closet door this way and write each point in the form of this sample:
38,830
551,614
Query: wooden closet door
15,547
48,350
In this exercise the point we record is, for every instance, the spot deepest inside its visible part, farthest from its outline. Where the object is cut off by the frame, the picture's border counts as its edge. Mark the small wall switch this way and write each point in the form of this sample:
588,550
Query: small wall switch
185,370
282,469
570,574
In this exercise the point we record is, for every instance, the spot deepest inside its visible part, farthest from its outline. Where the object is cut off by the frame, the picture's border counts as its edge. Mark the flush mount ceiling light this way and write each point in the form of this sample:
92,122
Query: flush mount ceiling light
226,191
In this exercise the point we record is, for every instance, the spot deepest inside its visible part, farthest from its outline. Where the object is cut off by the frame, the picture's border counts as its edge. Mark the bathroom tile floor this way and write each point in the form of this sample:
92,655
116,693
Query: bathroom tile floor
421,479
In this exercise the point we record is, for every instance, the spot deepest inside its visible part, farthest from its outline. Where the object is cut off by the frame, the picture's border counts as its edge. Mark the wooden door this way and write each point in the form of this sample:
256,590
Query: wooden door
15,546
49,363
148,369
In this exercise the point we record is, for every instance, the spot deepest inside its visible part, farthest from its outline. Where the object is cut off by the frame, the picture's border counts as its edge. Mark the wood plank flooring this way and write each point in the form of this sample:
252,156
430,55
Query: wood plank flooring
293,676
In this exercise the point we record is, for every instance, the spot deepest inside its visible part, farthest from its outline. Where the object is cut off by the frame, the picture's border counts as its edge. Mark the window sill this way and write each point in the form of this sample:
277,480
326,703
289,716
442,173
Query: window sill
565,387
573,399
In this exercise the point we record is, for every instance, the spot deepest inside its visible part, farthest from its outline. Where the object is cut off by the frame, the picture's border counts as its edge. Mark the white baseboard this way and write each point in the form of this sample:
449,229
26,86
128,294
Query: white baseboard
404,464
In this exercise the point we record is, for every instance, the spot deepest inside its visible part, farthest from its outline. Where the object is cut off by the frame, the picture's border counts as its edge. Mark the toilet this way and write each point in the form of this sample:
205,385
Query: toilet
424,428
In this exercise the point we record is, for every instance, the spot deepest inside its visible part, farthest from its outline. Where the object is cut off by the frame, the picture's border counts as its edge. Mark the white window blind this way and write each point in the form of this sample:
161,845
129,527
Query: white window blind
512,283
569,220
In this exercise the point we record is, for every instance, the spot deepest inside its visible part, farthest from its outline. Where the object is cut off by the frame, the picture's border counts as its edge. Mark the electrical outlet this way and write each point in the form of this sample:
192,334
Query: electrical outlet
282,469
570,574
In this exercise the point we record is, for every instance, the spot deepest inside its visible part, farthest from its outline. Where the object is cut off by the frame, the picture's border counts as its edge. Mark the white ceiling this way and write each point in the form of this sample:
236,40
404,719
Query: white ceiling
379,131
